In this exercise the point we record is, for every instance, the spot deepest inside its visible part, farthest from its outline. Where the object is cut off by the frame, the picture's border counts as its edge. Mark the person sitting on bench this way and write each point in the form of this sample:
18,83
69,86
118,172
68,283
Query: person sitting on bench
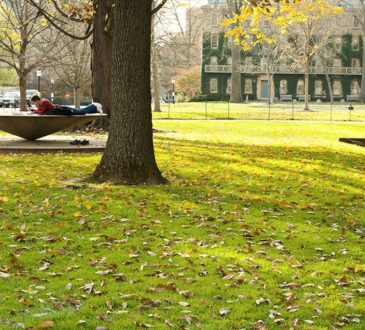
46,107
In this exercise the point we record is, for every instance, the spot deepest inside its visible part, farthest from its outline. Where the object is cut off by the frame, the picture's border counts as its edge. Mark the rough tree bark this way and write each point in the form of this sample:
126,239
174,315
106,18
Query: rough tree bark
236,81
236,94
156,83
22,90
129,155
102,56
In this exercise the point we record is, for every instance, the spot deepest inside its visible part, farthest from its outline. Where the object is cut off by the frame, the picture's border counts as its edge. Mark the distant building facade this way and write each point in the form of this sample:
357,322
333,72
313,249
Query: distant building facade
286,83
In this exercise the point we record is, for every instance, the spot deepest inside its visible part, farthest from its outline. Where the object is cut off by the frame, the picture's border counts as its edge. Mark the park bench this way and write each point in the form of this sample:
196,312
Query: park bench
353,98
286,97
33,127
300,97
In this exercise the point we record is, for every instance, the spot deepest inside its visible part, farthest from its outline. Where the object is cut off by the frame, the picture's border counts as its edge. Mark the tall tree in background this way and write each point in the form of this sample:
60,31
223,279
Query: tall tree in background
72,66
236,81
102,45
23,45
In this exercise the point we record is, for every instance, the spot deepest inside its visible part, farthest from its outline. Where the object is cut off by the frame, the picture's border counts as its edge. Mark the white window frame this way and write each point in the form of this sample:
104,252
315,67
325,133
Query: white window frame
282,92
355,62
318,89
215,19
248,86
229,86
214,41
213,90
340,89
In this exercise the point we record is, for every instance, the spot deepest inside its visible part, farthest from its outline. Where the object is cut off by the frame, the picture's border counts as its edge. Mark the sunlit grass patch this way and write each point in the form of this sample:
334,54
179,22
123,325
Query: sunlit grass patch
260,221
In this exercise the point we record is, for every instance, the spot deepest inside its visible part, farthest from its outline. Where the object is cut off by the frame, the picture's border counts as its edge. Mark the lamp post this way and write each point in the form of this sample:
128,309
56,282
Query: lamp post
39,75
173,91
52,88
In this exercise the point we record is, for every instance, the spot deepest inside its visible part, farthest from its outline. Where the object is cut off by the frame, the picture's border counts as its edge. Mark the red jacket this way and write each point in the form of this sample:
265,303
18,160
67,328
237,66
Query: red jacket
44,105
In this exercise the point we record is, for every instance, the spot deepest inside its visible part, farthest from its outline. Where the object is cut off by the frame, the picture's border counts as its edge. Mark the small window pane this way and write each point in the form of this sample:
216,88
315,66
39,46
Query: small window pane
355,42
337,88
248,86
300,87
229,86
283,87
213,85
318,87
355,63
215,20
214,41
355,88
337,62
214,60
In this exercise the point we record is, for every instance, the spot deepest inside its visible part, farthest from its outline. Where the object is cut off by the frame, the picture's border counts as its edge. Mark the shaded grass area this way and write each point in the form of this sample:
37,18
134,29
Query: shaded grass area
261,111
260,221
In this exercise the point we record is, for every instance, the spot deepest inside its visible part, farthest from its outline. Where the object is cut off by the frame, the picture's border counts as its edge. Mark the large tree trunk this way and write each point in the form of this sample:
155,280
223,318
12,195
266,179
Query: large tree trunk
363,70
129,155
306,87
102,56
23,92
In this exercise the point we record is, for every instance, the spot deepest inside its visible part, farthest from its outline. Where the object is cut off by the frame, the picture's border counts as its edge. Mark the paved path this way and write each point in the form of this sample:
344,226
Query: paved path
52,144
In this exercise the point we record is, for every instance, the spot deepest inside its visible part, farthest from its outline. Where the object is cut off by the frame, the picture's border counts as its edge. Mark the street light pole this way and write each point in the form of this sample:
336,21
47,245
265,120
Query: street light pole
173,91
39,75
52,87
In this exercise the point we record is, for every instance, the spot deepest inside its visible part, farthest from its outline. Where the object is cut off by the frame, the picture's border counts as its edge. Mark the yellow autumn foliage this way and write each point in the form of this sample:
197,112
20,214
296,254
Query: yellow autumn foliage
248,24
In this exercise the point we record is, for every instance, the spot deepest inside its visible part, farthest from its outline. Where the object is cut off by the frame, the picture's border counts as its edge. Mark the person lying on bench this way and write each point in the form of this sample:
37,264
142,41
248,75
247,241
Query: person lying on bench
46,107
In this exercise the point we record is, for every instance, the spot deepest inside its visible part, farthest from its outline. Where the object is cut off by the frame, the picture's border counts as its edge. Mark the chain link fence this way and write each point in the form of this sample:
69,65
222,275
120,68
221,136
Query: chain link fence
262,111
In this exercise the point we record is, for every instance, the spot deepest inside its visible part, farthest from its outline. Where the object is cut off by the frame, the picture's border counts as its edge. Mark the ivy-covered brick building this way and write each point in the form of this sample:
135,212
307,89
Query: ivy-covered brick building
286,83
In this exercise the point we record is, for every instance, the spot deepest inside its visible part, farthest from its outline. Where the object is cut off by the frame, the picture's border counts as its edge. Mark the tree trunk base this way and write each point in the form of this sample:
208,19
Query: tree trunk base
157,111
130,180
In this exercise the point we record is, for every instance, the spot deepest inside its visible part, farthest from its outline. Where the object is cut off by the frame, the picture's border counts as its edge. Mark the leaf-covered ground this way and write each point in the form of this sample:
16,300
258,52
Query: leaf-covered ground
261,227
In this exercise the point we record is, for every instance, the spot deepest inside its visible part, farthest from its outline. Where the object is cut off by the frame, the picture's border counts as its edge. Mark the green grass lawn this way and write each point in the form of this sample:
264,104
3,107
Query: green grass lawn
260,111
260,221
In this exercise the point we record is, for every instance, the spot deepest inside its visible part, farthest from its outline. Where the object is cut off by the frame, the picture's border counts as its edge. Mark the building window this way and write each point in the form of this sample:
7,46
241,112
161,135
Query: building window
214,41
213,85
214,60
229,60
355,62
337,63
300,87
215,20
337,88
338,43
248,86
248,60
318,87
355,87
283,87
355,42
229,86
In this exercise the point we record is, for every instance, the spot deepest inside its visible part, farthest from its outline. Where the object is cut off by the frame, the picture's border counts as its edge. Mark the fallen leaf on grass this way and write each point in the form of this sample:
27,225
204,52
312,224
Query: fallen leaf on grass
45,325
